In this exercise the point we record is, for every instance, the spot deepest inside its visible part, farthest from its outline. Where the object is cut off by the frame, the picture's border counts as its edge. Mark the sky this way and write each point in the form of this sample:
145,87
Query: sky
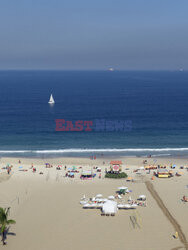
94,35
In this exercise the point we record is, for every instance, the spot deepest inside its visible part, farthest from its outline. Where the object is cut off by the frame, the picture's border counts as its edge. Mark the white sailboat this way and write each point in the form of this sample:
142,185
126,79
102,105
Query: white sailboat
51,101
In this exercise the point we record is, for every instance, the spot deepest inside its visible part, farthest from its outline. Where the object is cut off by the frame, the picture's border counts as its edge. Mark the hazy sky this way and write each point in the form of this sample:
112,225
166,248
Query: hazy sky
97,34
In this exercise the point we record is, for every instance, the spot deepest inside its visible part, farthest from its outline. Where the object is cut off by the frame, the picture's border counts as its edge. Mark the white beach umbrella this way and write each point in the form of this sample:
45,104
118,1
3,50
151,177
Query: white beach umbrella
127,206
86,205
100,200
93,205
142,197
83,202
122,188
98,196
99,205
111,197
134,205
84,197
141,168
120,206
130,198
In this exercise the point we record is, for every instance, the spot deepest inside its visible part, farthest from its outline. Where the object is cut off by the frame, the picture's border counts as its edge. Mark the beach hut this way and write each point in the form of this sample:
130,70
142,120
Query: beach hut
115,166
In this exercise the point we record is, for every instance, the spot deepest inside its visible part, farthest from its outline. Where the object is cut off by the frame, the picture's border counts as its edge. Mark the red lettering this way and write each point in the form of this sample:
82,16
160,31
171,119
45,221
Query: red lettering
88,124
69,126
78,126
59,125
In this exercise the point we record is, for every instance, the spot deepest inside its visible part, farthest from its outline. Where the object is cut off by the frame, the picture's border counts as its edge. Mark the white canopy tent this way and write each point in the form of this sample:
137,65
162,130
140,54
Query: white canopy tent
109,207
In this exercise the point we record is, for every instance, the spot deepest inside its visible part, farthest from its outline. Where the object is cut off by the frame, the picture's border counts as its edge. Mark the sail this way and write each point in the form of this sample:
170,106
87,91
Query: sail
51,99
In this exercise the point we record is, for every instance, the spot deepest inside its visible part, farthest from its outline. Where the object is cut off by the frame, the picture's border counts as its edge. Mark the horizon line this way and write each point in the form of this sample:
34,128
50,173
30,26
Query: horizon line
106,70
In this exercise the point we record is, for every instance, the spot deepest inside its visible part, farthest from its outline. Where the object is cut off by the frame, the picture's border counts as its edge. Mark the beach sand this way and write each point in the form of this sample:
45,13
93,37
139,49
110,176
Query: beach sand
48,214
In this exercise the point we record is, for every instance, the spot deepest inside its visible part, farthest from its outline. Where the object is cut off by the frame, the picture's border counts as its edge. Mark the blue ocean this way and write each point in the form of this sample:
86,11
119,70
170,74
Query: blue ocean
154,103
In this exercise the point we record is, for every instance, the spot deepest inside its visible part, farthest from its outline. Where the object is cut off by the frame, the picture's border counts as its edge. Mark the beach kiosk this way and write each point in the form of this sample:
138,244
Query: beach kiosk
163,173
86,175
115,166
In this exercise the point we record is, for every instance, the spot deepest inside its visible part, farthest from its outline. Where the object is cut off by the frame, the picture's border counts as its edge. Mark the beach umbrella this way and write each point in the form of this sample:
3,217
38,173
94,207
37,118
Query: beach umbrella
180,173
98,196
83,202
122,188
127,206
99,200
134,205
120,206
20,167
86,205
142,168
142,197
130,199
111,197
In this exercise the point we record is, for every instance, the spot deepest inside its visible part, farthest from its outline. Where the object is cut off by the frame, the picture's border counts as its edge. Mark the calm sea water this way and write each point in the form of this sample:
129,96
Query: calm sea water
155,102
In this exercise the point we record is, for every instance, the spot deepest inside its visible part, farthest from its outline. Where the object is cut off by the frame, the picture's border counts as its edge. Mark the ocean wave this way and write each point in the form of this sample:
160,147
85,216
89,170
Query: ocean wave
80,150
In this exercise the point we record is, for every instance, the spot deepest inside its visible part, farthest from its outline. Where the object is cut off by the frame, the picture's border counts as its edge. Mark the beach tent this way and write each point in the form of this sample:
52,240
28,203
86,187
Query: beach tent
109,207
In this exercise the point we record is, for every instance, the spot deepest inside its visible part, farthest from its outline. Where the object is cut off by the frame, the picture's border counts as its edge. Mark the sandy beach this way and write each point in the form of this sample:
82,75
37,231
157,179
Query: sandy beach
48,214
